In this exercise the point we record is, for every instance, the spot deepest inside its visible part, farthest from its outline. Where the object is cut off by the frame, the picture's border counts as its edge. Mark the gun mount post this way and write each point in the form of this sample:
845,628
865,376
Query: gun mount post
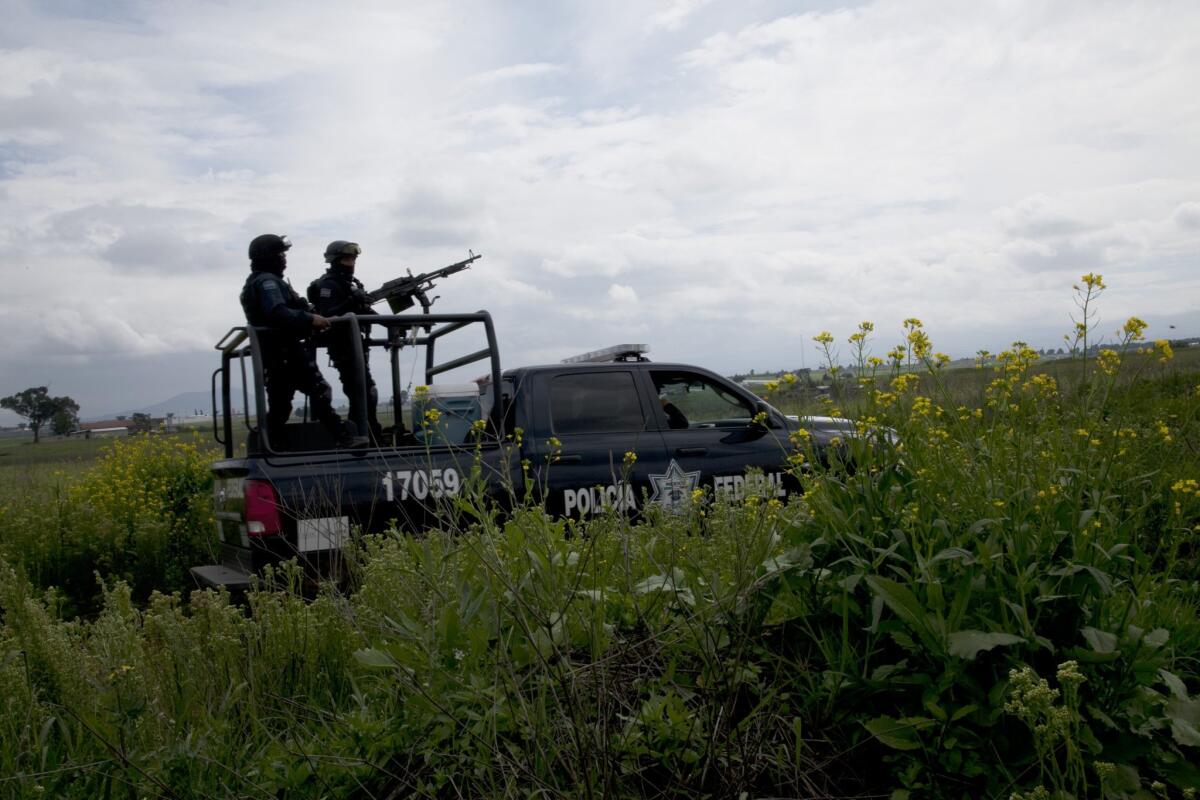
260,391
360,364
223,371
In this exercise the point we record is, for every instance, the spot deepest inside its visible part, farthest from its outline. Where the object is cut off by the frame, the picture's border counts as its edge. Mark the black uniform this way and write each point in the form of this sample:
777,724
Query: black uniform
289,359
339,292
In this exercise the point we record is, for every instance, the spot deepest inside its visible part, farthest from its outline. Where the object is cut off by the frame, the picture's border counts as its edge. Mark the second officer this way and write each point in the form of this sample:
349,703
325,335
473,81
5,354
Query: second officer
335,293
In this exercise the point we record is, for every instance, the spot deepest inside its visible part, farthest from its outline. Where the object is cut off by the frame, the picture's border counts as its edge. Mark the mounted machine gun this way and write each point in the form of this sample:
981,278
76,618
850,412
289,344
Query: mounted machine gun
400,293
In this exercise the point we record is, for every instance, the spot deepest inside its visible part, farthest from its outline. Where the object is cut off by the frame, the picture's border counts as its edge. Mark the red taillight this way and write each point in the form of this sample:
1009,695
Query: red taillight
262,509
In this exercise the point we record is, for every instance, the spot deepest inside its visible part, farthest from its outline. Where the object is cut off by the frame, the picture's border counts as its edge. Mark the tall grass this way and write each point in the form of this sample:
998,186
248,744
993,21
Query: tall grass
970,600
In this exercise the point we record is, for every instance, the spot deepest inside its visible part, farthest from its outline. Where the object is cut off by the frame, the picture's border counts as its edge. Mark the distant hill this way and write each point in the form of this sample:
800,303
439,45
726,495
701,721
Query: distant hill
181,405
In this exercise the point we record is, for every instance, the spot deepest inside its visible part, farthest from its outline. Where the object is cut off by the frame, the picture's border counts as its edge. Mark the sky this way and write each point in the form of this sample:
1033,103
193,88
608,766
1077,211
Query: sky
720,180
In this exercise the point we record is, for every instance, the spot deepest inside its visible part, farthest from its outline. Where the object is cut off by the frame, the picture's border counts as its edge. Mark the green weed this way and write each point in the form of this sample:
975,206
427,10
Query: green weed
989,589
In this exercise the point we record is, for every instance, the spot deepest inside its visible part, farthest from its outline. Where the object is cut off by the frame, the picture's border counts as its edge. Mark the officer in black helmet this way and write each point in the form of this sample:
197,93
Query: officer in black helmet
288,357
339,292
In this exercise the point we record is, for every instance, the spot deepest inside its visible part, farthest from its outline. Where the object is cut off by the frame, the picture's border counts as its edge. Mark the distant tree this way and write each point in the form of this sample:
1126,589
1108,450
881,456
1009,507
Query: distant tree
37,406
65,420
121,417
140,422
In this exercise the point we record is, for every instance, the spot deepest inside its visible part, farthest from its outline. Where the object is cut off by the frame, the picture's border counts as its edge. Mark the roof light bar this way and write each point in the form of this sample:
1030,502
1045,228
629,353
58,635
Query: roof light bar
618,352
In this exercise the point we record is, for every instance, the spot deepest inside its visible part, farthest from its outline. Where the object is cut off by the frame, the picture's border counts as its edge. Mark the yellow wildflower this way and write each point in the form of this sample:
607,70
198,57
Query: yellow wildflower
1109,361
1134,329
921,407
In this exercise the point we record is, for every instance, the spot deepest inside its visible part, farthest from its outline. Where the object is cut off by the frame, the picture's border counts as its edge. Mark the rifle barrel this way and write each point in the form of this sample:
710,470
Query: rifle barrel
413,285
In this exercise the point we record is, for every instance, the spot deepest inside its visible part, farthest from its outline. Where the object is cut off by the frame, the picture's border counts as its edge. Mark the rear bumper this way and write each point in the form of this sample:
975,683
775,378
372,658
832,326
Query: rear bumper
217,576
239,565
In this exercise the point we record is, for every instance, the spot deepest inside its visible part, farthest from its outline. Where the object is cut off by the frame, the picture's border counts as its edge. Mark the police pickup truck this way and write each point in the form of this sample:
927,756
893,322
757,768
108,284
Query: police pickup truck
607,430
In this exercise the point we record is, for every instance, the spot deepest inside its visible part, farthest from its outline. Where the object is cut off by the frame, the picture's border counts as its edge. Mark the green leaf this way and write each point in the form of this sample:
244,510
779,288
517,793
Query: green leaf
1100,715
1101,641
898,734
667,582
885,671
371,657
954,554
1157,637
1173,682
964,711
1185,733
656,583
1102,580
1184,713
907,607
1125,780
798,557
968,644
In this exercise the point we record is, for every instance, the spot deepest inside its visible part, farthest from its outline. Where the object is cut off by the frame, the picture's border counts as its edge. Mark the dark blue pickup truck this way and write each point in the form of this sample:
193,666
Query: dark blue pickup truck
612,430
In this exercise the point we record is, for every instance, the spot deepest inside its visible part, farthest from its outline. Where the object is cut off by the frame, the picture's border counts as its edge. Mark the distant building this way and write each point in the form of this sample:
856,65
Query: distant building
106,433
106,428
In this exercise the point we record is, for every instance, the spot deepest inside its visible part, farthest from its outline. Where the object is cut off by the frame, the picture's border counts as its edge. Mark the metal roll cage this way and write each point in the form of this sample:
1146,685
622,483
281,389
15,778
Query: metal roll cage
404,330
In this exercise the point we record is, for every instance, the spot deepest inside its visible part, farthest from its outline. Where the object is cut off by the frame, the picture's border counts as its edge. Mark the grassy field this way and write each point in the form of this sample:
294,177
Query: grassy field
999,601
18,450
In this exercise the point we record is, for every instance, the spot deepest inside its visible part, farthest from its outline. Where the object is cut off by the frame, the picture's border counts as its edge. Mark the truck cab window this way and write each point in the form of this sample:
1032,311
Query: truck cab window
690,400
594,402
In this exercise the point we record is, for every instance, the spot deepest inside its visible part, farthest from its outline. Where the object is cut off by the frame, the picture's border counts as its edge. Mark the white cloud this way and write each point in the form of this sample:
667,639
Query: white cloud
677,171
1187,215
620,293
673,16
515,72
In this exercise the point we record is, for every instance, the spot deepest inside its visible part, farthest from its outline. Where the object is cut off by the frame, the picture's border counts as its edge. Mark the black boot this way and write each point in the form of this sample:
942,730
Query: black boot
348,438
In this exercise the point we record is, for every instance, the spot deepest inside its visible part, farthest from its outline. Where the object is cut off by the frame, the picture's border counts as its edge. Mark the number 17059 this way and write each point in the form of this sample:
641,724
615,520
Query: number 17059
421,484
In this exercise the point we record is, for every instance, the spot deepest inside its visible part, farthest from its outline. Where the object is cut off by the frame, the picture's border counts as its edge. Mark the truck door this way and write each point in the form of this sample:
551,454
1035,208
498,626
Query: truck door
711,439
597,417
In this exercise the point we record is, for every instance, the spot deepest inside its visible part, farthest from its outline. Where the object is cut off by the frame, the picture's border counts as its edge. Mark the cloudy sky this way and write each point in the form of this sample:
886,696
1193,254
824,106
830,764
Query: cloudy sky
722,180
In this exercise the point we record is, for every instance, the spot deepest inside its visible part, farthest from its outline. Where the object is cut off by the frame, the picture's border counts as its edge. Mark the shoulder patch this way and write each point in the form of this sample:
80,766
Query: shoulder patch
326,291
272,293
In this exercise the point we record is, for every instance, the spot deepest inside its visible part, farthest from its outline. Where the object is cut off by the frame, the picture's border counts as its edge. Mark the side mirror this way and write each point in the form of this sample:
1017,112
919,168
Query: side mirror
769,420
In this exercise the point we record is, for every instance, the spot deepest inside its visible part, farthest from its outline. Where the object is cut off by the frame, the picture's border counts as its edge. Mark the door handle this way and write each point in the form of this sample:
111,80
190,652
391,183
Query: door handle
572,458
691,451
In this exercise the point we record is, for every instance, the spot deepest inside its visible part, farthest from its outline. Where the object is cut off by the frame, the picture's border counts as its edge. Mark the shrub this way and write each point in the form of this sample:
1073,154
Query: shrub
142,513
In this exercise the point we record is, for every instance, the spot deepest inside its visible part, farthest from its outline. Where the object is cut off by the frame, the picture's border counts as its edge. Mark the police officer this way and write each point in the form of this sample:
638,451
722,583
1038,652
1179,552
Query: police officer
339,292
289,359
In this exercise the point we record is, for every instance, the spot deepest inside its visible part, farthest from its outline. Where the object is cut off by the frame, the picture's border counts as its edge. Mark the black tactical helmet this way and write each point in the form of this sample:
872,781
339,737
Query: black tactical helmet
269,244
340,248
